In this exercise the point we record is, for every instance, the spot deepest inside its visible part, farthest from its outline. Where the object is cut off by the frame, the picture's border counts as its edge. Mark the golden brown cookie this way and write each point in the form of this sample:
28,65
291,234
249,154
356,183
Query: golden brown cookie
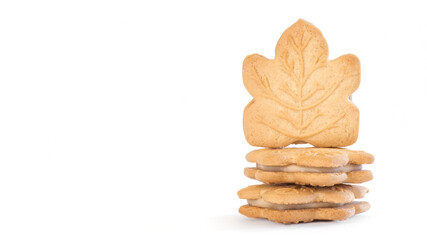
309,178
289,203
305,215
296,194
309,157
300,96
309,166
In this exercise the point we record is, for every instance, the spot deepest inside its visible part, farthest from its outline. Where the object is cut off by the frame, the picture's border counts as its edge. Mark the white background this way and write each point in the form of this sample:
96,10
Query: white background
123,119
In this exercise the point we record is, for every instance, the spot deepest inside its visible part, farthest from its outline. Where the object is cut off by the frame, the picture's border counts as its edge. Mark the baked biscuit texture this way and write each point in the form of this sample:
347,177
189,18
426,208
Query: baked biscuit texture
309,157
300,96
305,215
296,194
308,178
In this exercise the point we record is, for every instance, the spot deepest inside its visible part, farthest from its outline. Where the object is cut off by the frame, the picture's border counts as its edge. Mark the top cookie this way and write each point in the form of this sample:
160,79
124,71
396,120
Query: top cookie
300,96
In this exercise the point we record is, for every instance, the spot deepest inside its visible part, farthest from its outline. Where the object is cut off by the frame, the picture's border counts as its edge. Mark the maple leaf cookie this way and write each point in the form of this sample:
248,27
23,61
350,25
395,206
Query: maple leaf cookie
300,96
293,203
309,166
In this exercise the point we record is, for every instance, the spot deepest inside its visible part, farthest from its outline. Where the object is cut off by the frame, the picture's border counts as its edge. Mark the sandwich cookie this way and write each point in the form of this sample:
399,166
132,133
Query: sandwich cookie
309,166
294,203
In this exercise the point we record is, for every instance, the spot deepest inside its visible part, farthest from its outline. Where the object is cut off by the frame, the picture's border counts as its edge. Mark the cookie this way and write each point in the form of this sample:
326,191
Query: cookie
294,203
305,215
300,96
309,166
292,195
309,157
309,178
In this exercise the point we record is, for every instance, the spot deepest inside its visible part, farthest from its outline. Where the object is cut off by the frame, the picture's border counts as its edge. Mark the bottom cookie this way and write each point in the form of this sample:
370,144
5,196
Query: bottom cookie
305,215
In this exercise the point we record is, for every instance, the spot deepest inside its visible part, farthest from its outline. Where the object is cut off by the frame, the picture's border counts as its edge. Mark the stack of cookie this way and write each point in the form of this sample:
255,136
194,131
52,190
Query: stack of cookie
302,97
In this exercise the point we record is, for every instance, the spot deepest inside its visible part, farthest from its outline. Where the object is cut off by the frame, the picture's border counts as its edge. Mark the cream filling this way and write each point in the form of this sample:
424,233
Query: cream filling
264,204
296,168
